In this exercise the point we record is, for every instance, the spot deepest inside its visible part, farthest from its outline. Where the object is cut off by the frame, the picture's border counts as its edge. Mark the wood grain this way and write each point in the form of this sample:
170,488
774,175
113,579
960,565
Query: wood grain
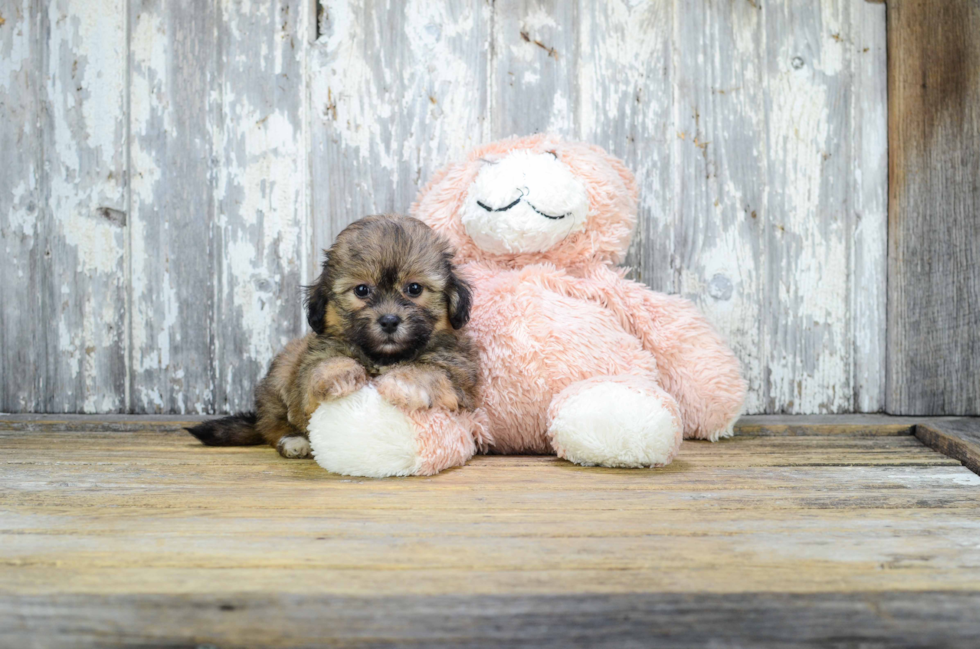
65,218
21,204
806,229
148,537
397,90
750,425
173,206
956,438
867,203
557,621
934,208
719,253
756,131
219,199
262,230
83,279
128,423
704,101
825,425
533,81
632,118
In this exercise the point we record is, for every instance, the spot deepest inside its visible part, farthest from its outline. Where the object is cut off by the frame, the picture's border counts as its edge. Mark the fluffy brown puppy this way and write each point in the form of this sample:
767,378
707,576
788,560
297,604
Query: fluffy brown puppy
387,307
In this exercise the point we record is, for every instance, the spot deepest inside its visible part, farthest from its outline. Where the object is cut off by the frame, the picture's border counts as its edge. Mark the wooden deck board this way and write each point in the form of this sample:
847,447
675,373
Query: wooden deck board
149,538
957,438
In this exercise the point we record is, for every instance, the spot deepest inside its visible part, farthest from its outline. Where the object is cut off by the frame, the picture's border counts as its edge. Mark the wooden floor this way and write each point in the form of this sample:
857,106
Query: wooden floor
799,532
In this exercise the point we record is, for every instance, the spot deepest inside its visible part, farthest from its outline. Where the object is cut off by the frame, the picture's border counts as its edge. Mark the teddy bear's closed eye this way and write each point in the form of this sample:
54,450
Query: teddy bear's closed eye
515,202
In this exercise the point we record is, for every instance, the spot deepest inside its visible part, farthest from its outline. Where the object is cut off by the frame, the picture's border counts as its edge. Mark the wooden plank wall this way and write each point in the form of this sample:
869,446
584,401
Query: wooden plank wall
172,169
934,207
220,224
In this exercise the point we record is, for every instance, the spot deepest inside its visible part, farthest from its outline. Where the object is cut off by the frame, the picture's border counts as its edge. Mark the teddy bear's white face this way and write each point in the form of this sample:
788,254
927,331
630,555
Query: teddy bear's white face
524,202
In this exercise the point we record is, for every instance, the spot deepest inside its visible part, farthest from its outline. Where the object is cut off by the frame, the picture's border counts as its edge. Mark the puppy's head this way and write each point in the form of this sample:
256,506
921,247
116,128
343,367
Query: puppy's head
387,284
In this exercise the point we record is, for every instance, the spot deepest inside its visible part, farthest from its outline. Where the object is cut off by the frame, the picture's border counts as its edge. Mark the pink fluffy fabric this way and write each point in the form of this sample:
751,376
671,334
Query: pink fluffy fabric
448,439
546,321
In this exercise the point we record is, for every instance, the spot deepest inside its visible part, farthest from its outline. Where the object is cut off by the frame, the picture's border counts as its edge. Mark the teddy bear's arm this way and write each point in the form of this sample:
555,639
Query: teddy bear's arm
696,366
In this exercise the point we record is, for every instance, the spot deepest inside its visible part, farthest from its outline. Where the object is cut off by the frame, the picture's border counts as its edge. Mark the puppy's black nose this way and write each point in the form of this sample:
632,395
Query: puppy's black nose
389,323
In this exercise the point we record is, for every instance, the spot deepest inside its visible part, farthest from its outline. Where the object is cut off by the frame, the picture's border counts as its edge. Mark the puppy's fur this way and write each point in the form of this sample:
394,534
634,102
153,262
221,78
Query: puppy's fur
381,269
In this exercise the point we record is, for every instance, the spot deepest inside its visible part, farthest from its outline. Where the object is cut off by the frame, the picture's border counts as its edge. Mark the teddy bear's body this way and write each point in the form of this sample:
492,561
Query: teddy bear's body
531,349
575,359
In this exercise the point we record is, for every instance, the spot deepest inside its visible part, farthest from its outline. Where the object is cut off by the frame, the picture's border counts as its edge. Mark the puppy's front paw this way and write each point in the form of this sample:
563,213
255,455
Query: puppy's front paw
333,379
399,390
414,389
294,447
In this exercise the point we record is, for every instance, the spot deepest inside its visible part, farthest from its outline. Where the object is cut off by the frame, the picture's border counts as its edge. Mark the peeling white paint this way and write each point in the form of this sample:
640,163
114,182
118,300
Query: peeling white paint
869,210
807,232
345,91
756,202
19,218
391,106
961,478
84,165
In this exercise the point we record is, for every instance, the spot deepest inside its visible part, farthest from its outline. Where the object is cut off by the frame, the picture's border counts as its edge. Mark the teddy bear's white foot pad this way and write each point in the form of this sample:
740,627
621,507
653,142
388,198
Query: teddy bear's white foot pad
615,425
364,435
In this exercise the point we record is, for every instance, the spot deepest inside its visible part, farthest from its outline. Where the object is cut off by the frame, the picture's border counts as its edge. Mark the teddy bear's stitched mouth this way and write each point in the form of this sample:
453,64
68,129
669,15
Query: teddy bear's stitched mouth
519,199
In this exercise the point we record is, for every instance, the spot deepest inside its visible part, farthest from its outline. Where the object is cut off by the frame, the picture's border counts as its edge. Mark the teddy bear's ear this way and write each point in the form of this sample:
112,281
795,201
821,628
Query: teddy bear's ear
459,297
316,300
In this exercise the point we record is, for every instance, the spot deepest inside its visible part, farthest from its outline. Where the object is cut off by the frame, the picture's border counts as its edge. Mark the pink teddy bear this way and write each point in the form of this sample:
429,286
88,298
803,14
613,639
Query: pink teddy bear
575,359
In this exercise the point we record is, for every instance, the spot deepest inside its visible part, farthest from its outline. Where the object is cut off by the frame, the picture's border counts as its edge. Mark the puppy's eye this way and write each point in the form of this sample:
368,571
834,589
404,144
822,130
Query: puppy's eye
414,289
362,290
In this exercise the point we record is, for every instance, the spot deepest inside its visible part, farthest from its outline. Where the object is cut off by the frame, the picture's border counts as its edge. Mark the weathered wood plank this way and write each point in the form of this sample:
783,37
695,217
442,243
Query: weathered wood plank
262,228
96,423
933,207
868,203
222,232
20,206
725,91
150,538
959,439
625,92
117,504
116,451
533,81
396,90
824,425
173,206
808,352
664,620
82,349
750,425
130,539
720,254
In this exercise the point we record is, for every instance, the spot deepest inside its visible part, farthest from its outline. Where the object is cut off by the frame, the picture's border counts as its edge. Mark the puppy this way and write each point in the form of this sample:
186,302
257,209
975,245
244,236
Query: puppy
386,307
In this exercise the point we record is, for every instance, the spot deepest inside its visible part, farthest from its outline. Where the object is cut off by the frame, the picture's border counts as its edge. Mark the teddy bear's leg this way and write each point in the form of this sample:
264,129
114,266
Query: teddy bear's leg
616,421
364,435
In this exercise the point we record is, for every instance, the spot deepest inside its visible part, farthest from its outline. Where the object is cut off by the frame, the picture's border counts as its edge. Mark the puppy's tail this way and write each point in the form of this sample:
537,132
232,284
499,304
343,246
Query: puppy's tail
236,430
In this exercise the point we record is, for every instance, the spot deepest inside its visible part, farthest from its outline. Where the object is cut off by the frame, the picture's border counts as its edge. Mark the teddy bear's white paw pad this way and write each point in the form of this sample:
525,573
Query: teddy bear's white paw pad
364,435
610,424
294,447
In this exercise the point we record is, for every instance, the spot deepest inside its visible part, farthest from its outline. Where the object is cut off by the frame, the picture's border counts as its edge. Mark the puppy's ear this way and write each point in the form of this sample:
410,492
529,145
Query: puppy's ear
459,298
316,302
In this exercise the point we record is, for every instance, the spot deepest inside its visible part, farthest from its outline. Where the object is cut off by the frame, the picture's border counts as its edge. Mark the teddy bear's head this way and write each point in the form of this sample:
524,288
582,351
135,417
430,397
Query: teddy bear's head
533,199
